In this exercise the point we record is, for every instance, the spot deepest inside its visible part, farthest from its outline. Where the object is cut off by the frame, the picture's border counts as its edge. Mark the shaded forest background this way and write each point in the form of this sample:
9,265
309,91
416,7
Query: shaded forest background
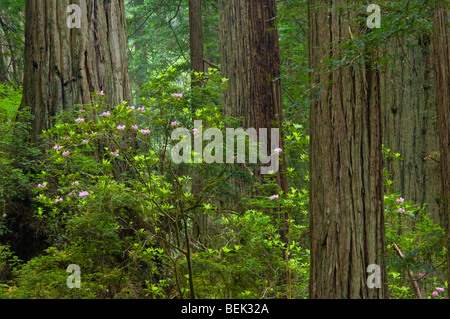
363,178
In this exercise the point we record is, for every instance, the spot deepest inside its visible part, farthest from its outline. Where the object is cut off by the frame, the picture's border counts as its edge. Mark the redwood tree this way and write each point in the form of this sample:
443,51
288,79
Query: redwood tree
346,182
441,50
196,36
250,60
64,66
409,125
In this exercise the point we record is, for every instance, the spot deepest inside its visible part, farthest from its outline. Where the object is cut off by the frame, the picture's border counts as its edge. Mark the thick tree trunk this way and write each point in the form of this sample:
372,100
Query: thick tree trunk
251,62
346,183
64,66
409,122
250,57
441,50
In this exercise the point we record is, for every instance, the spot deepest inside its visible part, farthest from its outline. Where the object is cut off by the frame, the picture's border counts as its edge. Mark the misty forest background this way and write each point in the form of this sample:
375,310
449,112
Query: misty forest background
86,175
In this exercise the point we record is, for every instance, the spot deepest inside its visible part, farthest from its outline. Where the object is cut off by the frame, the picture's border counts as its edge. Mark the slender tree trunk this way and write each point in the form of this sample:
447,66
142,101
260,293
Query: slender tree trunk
346,182
442,64
3,77
64,66
409,121
196,37
197,65
10,70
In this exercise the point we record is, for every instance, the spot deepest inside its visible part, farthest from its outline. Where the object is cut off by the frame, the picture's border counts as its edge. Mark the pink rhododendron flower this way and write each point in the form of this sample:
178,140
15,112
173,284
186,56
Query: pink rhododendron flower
80,120
83,194
75,184
145,132
174,123
178,95
66,138
101,93
130,108
434,294
106,114
115,154
57,147
278,150
59,200
400,200
66,153
401,210
121,127
135,127
274,196
421,275
195,131
440,289
44,185
86,141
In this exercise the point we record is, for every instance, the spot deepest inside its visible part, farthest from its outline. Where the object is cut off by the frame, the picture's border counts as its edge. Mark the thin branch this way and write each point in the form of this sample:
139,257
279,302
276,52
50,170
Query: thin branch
148,16
173,31
211,64
414,281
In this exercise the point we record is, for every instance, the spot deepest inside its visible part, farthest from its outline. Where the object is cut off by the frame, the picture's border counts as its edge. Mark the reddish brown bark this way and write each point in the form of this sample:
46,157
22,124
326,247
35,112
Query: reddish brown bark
64,66
442,64
346,184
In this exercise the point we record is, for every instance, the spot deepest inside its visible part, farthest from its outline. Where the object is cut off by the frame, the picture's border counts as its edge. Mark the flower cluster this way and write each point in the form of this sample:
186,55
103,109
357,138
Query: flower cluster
83,194
400,200
437,291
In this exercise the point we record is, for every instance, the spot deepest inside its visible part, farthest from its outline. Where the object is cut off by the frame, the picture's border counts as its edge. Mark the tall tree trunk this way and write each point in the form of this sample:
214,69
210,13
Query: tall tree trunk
250,57
409,121
346,182
441,47
198,66
196,37
64,66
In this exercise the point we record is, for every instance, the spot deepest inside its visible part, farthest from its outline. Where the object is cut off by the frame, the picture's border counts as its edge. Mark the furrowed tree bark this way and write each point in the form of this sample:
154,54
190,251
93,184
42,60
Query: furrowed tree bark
196,37
250,60
346,183
409,121
441,40
64,66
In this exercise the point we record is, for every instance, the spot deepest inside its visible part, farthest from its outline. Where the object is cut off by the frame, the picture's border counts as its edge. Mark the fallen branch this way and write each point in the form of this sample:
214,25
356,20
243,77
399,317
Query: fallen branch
414,281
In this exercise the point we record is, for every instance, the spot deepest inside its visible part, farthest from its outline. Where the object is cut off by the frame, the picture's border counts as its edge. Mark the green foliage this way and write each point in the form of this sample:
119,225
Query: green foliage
17,156
421,242
10,99
11,41
127,214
